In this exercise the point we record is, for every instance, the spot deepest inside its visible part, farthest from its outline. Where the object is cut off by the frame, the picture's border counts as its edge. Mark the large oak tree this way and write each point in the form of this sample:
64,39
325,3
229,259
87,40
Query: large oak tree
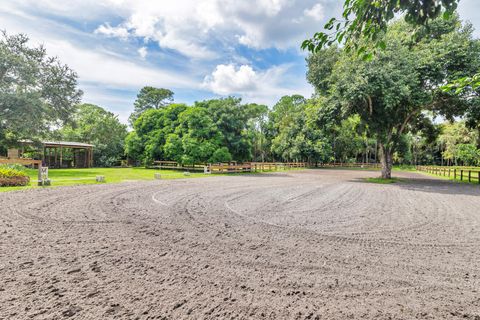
397,89
37,92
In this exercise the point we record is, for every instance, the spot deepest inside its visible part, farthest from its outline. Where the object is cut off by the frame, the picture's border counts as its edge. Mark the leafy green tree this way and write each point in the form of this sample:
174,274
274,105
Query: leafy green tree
37,92
134,147
393,91
468,154
453,135
367,20
221,155
150,98
256,132
196,139
232,119
217,130
294,131
348,142
94,125
151,131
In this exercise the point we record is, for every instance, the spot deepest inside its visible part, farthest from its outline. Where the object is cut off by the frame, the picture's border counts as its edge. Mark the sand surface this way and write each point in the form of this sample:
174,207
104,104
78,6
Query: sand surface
314,244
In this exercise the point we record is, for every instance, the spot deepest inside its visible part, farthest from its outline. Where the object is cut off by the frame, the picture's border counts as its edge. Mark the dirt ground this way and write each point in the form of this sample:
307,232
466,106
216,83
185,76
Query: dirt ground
314,244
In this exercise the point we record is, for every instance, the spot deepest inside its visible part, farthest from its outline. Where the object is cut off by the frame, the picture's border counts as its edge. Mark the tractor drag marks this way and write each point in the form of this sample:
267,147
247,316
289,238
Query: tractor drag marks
310,244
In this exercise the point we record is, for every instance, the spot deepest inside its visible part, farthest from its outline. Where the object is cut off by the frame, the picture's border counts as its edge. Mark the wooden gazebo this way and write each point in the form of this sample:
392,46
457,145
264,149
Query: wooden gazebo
63,154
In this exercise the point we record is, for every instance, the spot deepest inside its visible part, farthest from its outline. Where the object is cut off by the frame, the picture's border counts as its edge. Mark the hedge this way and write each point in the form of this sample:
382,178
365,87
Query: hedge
10,177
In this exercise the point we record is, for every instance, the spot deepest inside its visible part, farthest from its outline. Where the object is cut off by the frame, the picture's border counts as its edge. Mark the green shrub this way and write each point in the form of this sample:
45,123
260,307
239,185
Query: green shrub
10,177
14,166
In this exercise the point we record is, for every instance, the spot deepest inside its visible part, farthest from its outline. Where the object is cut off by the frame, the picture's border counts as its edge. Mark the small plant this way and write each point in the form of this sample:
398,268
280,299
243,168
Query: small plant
10,176
382,180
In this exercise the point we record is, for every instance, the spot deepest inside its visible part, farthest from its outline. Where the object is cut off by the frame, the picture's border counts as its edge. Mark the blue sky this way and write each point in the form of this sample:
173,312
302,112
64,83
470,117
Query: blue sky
199,49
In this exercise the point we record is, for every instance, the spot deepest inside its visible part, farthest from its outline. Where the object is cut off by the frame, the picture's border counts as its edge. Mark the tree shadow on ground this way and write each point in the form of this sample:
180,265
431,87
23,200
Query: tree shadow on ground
420,183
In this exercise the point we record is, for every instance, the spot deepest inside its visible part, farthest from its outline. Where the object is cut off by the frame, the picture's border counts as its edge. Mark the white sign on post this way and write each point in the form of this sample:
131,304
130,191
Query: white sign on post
44,172
43,176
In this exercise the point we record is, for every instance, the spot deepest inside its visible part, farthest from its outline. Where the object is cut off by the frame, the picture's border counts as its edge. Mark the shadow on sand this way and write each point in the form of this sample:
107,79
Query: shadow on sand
420,183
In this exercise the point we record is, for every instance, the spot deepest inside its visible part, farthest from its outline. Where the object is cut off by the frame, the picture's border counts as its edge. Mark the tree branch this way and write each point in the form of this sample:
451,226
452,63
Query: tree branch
405,122
370,104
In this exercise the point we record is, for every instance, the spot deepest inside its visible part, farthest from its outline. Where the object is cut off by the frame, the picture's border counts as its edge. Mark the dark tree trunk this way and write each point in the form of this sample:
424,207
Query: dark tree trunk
386,160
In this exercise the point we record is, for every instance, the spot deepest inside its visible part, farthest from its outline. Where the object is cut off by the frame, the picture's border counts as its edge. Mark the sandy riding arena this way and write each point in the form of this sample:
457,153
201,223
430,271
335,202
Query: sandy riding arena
313,244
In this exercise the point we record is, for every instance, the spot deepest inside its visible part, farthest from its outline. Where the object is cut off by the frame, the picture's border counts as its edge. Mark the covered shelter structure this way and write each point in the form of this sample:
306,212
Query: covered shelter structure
60,154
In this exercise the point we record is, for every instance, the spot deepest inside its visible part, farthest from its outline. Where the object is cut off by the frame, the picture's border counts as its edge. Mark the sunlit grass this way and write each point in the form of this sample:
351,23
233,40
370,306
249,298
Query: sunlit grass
69,177
382,180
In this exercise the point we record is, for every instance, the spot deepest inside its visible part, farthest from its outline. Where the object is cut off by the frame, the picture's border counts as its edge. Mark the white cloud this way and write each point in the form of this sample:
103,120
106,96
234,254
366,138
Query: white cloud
94,65
143,52
194,27
228,79
252,85
109,31
316,12
206,32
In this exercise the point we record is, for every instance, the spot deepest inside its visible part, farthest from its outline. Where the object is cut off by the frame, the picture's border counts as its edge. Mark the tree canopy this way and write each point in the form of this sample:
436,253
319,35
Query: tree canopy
366,20
150,98
209,131
394,91
36,91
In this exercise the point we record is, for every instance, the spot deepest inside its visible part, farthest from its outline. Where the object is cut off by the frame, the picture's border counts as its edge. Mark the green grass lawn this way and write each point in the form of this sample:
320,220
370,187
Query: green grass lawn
382,181
69,177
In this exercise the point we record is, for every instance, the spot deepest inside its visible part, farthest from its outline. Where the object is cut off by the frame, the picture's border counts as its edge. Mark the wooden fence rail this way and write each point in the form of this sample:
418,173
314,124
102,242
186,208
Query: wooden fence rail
22,161
176,166
229,168
254,167
274,166
470,175
232,167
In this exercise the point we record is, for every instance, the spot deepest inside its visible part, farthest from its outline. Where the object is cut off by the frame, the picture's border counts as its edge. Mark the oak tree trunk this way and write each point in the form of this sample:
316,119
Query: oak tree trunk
386,161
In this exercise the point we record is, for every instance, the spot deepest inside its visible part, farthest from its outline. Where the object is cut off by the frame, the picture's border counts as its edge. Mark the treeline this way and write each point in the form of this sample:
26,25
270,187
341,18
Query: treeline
222,130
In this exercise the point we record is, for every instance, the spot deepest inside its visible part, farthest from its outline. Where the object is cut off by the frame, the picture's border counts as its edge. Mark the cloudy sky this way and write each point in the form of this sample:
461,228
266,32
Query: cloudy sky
198,48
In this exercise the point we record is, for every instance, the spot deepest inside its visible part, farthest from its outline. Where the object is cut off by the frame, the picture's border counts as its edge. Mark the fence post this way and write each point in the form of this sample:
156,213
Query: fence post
469,175
455,174
478,177
461,175
449,172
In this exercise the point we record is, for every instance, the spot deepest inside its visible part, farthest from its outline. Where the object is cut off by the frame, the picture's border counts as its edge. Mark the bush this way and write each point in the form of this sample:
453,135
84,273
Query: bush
221,155
10,177
14,166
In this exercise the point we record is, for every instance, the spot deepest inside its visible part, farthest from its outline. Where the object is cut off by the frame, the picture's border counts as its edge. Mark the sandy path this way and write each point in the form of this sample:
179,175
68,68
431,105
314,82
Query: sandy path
316,244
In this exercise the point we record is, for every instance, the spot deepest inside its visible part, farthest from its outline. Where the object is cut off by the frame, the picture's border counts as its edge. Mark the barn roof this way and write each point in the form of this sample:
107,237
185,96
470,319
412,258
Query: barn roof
66,144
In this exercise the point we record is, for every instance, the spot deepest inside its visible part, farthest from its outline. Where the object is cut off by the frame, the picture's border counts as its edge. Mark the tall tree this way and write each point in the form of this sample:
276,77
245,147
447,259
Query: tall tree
294,131
367,20
37,92
232,119
392,91
452,136
151,130
196,139
150,98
